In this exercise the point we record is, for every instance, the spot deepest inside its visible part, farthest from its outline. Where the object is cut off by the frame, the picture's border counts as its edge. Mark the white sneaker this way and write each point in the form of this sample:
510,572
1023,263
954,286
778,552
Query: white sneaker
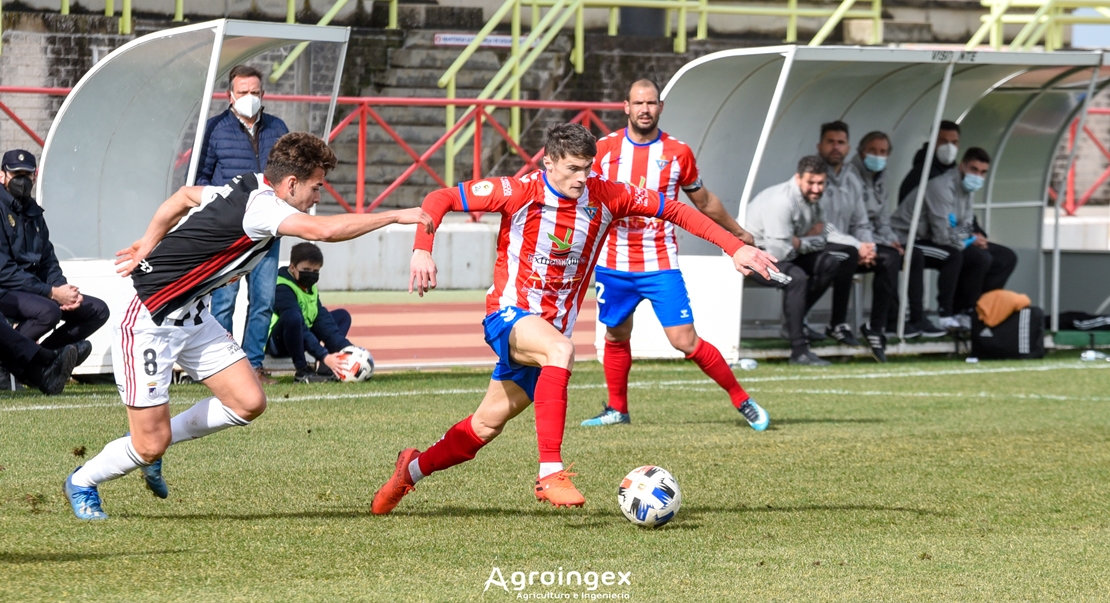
965,321
949,323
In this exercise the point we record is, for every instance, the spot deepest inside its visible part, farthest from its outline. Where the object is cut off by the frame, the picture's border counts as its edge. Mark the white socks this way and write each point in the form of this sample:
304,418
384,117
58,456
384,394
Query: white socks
204,418
119,458
547,469
414,470
116,460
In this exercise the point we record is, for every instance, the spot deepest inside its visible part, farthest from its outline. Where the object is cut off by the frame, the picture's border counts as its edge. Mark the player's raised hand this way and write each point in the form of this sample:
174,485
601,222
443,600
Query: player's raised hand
416,215
129,258
750,259
422,272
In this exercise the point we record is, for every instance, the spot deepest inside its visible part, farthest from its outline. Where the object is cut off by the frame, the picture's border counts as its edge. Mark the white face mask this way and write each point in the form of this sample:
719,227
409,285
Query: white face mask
947,152
247,105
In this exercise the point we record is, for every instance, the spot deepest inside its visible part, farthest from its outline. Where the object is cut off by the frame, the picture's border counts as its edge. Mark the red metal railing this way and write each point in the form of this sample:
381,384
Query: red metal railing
1071,204
364,111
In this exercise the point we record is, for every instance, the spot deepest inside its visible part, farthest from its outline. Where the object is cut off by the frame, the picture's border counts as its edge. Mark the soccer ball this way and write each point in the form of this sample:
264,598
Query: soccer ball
649,496
357,364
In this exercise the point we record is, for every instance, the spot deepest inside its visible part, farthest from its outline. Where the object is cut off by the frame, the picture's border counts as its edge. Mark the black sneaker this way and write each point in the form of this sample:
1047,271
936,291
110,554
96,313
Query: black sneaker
809,359
928,329
842,333
308,375
84,350
909,331
323,370
53,378
876,342
810,334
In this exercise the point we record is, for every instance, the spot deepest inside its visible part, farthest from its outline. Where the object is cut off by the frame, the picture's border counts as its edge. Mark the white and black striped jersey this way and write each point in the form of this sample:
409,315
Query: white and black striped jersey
215,243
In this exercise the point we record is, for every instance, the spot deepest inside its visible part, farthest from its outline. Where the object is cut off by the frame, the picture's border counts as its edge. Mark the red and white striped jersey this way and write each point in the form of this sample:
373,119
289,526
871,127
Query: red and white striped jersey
665,165
548,244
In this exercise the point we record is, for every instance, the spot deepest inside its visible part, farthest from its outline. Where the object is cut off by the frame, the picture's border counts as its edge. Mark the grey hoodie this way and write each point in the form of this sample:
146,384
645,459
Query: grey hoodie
842,206
875,200
780,213
947,216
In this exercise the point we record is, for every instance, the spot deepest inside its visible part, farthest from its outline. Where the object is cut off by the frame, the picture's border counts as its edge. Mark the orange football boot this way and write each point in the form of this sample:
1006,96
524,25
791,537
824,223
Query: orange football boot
399,484
558,490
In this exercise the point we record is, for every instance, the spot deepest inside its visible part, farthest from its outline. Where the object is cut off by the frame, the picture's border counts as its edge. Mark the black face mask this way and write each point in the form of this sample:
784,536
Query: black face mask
307,279
20,188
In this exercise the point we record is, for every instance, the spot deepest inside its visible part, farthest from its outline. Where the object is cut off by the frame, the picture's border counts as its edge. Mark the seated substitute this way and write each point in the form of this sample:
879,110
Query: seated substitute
869,166
30,363
787,222
969,263
35,293
301,323
850,232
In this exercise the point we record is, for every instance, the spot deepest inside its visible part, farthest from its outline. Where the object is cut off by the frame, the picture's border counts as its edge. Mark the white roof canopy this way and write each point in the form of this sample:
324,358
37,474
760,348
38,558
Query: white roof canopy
751,114
110,156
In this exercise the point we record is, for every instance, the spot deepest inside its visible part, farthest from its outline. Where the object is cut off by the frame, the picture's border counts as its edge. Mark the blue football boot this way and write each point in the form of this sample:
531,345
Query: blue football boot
755,415
85,501
608,416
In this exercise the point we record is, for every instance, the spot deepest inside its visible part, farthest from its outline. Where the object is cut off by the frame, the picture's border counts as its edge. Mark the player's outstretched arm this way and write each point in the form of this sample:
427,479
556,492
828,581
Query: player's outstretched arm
422,272
749,259
345,227
710,205
168,215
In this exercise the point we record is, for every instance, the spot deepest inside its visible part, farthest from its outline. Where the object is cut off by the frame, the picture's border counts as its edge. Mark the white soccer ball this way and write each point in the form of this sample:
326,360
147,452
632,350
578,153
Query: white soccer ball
649,496
356,364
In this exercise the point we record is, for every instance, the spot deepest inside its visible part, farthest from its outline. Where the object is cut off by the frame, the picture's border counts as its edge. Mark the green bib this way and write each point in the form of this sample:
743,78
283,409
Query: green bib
309,303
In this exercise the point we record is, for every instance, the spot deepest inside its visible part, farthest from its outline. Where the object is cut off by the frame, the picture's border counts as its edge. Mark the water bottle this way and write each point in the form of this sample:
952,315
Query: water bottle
1092,355
748,364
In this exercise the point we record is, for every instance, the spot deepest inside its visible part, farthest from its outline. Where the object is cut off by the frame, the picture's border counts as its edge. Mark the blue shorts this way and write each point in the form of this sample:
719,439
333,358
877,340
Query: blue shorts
498,326
619,292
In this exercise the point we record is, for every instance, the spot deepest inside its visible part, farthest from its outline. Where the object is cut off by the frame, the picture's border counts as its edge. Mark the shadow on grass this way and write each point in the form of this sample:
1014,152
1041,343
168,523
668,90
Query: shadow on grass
830,420
698,511
21,558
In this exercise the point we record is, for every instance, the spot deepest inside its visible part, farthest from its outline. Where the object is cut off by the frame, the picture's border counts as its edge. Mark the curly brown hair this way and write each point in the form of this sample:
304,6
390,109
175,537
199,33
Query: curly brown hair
298,154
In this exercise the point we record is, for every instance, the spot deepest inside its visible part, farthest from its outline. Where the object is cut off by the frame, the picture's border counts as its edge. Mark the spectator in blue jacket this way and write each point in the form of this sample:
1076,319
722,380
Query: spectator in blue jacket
33,290
301,323
238,141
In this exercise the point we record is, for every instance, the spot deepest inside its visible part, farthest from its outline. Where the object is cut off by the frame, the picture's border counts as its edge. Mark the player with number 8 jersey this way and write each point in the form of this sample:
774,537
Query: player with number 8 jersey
552,226
200,239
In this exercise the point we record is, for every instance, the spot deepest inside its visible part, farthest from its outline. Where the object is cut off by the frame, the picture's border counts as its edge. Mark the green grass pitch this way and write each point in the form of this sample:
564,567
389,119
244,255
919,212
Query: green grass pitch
913,481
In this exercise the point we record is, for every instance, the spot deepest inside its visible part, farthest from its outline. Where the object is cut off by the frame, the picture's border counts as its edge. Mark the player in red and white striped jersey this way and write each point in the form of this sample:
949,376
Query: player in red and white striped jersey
200,239
552,227
640,257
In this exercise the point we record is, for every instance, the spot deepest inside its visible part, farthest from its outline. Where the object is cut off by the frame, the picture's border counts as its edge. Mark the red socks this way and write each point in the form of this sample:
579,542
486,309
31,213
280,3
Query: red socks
458,445
618,361
551,412
710,361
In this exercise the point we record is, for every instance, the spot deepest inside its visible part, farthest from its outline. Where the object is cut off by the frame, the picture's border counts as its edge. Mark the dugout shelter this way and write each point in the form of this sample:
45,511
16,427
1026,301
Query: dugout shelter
750,114
130,131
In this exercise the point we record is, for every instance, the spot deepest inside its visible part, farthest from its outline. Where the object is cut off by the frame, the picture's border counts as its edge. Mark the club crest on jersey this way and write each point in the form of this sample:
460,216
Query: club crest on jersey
662,162
563,246
591,210
482,189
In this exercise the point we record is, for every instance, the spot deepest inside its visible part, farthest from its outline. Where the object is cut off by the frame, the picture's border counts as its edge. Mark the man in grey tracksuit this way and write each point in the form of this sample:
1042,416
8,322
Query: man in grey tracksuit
851,232
968,262
786,221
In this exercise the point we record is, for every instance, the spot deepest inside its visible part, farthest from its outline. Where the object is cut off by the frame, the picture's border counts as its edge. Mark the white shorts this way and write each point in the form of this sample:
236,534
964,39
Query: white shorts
144,353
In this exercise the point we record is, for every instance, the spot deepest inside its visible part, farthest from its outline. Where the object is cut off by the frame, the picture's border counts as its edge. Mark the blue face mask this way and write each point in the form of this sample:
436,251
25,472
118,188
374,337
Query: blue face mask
972,183
874,163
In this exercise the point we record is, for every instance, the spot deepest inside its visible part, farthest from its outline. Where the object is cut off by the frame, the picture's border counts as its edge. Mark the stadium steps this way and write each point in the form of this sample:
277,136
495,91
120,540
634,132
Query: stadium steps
414,70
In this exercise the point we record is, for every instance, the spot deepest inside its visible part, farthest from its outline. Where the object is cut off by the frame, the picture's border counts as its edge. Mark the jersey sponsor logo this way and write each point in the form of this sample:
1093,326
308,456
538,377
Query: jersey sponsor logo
482,189
643,182
641,196
506,187
563,246
555,284
546,261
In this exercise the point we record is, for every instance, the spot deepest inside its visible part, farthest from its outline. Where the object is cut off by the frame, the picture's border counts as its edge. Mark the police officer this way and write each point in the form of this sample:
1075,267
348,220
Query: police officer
33,290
